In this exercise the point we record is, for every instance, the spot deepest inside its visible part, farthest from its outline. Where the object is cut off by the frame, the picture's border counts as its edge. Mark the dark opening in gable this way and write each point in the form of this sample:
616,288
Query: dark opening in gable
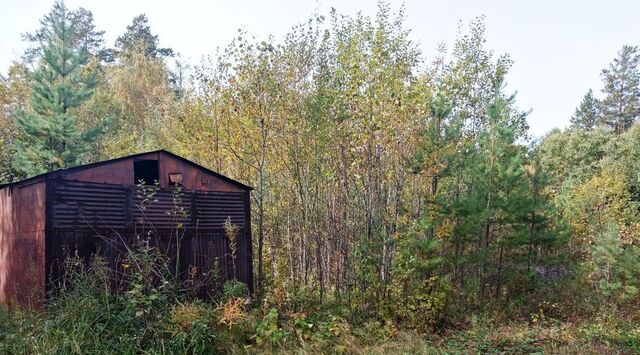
146,171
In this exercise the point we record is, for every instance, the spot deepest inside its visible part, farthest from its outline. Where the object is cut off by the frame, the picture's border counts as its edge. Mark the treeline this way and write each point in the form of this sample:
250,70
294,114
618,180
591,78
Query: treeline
402,185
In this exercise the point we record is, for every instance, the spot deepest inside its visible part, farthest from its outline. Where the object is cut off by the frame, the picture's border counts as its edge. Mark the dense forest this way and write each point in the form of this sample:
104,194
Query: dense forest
400,203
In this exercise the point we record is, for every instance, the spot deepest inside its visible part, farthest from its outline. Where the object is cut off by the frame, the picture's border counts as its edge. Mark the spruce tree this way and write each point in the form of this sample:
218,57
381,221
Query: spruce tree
621,106
587,115
49,134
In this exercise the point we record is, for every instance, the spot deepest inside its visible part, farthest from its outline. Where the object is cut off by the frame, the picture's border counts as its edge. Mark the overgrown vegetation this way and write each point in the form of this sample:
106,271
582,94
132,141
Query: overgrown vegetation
88,316
400,204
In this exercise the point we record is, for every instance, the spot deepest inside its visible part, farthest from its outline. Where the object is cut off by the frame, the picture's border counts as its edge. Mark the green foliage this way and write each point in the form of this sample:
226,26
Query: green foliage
235,289
572,156
418,296
148,281
191,329
613,334
423,306
49,136
135,92
615,267
139,37
597,175
588,114
84,35
268,333
12,93
87,317
621,106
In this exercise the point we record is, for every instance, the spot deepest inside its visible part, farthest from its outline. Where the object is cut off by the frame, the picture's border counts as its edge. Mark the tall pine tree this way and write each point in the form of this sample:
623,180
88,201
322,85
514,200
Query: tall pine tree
588,114
49,134
85,34
498,181
621,106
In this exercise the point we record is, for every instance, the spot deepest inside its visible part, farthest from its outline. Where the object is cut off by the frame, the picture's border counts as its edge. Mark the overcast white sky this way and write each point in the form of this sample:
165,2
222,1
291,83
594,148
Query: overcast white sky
559,47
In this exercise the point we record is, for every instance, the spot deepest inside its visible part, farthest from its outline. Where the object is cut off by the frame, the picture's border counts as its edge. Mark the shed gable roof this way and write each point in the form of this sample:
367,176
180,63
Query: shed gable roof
104,162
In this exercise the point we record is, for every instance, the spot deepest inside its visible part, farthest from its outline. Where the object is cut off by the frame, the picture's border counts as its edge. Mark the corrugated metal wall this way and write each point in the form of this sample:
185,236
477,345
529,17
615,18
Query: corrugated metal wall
213,208
90,218
80,205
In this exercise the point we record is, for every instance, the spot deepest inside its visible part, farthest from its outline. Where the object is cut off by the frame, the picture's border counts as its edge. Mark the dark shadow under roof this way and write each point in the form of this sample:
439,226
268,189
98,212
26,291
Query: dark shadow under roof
92,165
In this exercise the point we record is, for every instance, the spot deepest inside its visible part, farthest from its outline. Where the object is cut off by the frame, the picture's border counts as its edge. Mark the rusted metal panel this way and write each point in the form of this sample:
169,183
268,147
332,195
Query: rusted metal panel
93,218
79,205
209,256
164,212
121,172
192,177
202,255
213,209
22,244
117,172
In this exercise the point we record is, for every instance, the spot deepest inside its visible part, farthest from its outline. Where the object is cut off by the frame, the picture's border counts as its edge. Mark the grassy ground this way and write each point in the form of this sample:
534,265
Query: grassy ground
34,333
517,338
513,339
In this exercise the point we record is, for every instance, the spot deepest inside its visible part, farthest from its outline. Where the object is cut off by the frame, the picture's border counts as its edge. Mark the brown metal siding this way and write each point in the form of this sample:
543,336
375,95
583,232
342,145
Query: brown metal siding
192,177
204,211
79,205
208,251
212,209
22,244
158,214
87,218
121,172
118,172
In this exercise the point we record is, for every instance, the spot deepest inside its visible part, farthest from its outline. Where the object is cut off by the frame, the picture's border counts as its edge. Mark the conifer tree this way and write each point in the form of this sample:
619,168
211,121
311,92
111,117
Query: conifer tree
499,183
542,228
588,114
621,106
85,35
49,134
139,34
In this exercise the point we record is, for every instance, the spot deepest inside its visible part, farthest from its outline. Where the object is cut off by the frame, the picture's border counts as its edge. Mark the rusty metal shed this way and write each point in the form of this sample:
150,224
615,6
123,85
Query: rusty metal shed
46,218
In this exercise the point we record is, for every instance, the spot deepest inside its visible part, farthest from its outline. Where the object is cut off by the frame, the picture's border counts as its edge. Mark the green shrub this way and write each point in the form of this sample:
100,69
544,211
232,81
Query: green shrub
268,333
190,328
235,289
